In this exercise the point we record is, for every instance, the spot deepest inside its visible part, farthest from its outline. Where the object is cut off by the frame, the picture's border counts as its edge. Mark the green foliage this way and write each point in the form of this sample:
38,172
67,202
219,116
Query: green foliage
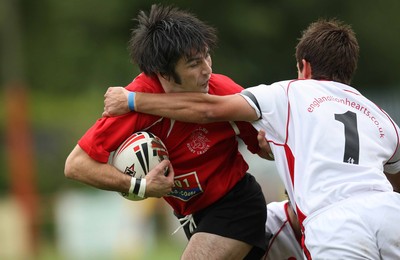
75,45
58,123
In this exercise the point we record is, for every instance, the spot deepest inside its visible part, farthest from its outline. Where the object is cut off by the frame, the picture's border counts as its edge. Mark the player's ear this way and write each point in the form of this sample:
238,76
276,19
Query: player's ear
307,71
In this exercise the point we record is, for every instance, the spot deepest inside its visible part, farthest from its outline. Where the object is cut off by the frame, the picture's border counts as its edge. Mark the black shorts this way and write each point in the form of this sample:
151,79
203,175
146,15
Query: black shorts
241,215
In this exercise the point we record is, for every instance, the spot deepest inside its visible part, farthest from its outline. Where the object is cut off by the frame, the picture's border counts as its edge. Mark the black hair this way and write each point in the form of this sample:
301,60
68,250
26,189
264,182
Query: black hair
165,35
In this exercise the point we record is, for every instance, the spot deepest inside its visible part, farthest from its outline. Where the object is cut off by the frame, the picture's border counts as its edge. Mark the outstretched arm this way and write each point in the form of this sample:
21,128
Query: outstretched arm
187,107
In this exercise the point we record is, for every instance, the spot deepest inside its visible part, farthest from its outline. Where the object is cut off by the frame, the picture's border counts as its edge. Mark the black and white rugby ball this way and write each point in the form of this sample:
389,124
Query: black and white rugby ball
137,155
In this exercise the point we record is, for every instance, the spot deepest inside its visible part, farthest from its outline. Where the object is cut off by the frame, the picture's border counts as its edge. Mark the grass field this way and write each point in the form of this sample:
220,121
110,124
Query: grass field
166,249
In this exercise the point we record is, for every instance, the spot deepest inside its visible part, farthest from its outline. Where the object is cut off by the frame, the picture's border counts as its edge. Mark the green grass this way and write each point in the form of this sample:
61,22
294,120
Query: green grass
166,249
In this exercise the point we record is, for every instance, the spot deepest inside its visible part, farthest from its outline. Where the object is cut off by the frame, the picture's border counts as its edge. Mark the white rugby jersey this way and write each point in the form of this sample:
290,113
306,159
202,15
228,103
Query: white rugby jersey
329,141
283,245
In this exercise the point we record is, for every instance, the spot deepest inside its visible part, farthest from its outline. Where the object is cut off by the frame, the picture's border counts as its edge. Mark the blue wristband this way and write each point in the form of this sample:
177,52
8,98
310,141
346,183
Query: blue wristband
131,101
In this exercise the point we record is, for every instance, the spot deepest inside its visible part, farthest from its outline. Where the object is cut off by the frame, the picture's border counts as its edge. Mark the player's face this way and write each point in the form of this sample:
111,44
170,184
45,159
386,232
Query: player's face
194,73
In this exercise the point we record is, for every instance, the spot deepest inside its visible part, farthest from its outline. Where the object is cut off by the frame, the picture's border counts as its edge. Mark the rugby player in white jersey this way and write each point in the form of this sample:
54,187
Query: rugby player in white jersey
332,146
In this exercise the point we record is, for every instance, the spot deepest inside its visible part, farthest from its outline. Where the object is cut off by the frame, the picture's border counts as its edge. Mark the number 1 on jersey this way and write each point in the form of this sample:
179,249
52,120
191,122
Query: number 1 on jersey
352,142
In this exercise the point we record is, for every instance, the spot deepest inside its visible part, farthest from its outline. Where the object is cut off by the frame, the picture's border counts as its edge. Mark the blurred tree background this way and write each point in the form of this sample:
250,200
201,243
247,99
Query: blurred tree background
68,52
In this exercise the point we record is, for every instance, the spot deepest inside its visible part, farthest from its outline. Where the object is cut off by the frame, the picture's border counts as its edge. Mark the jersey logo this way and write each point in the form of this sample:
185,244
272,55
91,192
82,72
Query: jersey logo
198,141
186,186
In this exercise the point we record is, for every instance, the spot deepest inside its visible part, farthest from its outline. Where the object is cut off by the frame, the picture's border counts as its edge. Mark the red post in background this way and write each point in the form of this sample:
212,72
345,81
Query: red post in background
19,141
21,163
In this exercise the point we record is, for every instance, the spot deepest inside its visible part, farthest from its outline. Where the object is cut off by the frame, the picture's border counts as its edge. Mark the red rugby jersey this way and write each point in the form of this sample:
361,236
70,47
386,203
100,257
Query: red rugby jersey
205,157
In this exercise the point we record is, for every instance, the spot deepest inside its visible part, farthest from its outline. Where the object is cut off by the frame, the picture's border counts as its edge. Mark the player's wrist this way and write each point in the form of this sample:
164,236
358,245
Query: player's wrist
131,100
138,186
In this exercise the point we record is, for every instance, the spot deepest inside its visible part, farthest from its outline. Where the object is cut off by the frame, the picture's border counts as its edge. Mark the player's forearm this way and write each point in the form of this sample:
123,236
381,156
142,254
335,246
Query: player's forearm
186,107
195,107
80,167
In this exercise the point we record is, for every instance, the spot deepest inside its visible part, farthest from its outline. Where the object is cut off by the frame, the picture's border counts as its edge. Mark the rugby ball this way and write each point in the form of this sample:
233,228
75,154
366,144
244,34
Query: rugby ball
137,155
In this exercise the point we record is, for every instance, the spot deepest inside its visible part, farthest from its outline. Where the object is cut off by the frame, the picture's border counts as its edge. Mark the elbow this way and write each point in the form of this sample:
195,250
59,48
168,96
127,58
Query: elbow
75,164
71,168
